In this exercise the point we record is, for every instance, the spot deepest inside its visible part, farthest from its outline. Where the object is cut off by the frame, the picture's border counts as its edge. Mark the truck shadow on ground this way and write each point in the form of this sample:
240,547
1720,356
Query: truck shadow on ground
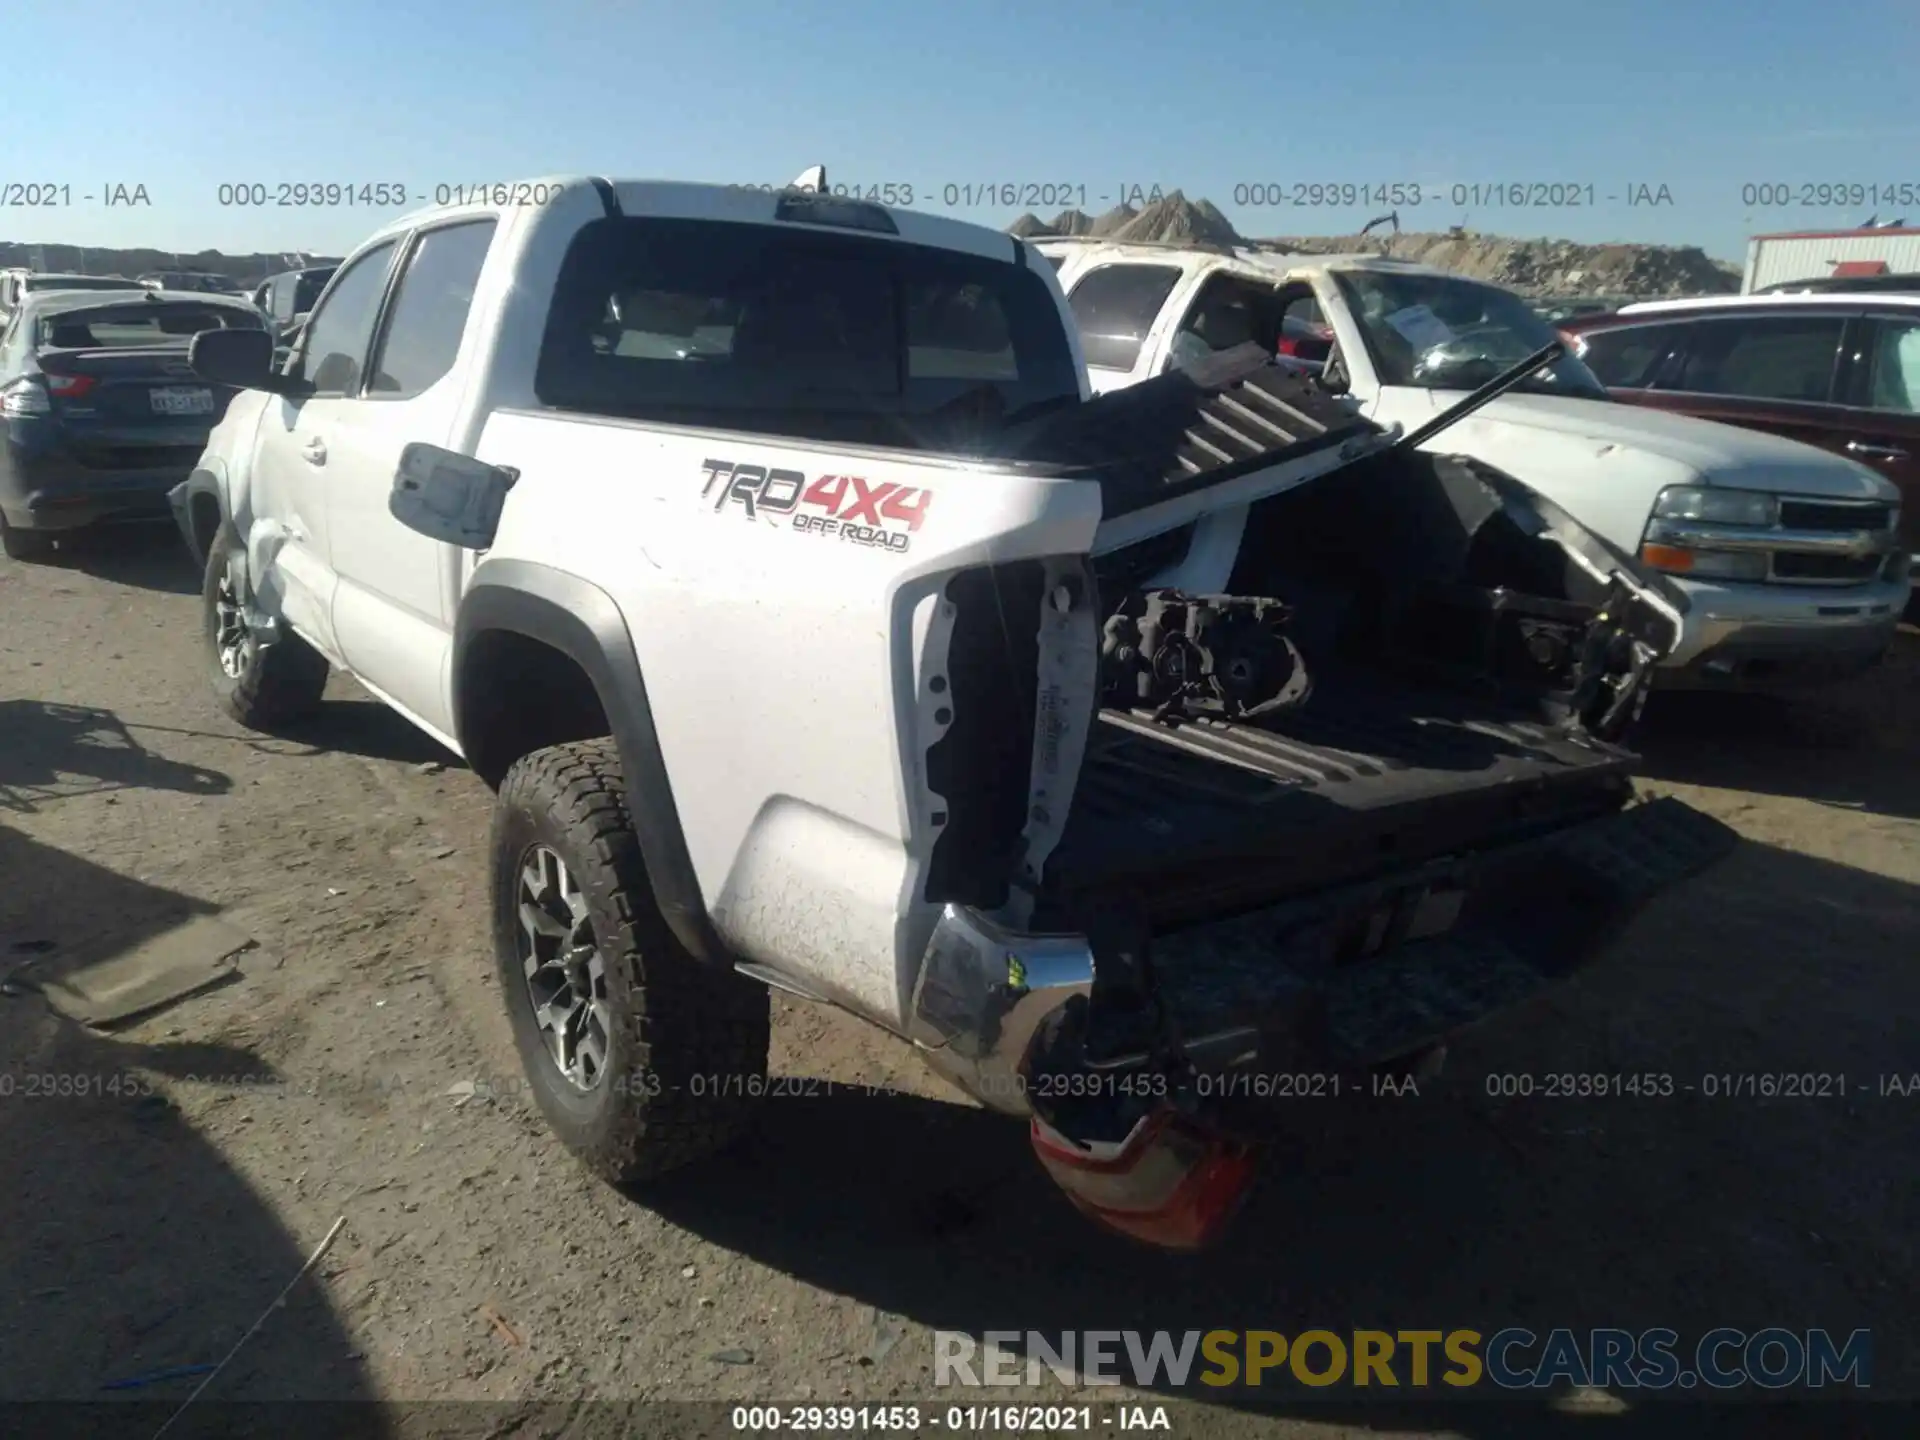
128,1243
359,726
149,556
52,752
1461,1207
1855,745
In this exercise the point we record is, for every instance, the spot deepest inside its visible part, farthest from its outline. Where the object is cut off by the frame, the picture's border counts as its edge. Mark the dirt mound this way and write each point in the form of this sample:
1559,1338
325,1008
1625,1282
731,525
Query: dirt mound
1543,267
1174,219
1180,220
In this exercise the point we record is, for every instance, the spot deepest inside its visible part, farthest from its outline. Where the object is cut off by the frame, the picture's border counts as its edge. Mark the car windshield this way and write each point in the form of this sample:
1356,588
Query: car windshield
1437,332
108,327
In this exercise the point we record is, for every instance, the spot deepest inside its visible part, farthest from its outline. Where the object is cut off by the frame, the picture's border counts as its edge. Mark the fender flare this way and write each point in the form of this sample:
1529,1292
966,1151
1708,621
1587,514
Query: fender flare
201,481
581,621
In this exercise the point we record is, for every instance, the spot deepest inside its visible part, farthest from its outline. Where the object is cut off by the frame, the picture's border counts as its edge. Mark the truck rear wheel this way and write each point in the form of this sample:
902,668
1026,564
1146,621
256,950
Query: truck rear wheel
261,686
641,1057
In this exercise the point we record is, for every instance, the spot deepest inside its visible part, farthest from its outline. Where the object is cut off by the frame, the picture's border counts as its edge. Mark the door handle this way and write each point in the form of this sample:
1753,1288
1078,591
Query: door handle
1876,452
314,451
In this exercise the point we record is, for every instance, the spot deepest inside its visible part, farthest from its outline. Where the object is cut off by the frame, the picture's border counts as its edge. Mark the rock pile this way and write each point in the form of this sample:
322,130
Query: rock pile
1544,268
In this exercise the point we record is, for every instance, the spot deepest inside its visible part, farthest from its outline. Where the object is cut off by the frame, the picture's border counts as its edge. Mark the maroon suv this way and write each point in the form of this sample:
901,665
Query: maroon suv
1839,370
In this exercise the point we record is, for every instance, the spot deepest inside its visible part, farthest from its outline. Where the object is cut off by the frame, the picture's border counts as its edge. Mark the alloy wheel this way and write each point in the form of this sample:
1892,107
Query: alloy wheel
232,640
566,976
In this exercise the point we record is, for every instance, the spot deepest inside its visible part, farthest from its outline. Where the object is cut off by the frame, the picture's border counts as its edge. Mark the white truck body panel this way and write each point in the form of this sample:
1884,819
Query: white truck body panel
808,848
806,844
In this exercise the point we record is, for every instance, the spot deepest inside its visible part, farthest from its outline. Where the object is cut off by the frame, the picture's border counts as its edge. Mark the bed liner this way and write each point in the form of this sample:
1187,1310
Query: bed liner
1370,774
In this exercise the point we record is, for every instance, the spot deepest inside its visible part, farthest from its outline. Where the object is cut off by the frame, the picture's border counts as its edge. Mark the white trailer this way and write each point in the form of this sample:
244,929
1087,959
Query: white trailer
1819,254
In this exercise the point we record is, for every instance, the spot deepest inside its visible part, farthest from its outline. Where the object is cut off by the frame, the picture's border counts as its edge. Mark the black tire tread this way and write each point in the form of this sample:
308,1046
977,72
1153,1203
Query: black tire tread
286,679
682,1017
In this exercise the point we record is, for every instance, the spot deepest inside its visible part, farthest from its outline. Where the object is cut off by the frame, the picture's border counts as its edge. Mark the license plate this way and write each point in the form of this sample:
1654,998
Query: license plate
182,400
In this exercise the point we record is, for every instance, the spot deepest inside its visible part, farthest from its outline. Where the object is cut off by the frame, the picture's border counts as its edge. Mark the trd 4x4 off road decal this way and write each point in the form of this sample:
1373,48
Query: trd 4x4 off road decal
845,507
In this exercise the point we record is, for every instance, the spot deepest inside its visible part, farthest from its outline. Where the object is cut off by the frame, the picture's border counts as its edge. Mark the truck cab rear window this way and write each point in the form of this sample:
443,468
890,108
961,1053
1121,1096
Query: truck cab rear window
791,332
133,325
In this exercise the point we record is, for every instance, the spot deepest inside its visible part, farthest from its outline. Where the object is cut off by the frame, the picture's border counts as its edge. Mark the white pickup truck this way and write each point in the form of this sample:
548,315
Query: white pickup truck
1787,556
818,629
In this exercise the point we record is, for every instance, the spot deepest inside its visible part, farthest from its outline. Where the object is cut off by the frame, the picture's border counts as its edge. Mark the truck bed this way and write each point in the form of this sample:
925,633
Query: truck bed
1372,774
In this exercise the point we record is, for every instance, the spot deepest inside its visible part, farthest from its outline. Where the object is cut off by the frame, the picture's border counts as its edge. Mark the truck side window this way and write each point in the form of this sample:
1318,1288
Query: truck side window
1764,357
429,311
339,331
1115,307
1895,382
1225,314
1628,358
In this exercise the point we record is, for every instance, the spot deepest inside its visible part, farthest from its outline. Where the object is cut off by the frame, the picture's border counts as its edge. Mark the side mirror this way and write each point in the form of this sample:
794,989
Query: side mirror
240,358
449,497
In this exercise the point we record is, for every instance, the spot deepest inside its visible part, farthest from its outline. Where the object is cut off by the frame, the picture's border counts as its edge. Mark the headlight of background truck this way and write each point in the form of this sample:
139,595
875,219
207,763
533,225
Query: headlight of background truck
1679,536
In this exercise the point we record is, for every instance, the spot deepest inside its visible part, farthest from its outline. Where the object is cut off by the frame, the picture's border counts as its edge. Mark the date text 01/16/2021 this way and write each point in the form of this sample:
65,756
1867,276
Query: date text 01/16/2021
955,1419
60,194
1408,194
969,194
380,194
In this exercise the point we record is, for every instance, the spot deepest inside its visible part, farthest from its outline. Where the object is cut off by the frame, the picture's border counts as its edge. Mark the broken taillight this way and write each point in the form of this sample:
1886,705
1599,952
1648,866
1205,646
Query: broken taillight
1168,1183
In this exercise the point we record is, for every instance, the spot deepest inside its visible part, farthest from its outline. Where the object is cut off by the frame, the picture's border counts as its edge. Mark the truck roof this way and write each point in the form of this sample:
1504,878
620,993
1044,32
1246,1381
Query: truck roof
1270,262
693,200
1818,298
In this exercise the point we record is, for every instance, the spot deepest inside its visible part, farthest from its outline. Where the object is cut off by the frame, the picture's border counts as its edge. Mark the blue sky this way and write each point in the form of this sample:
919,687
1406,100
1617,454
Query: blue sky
1701,96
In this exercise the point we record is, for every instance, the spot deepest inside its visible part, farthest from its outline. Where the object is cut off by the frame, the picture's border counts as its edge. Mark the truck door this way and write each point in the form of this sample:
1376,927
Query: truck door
1880,425
293,471
393,605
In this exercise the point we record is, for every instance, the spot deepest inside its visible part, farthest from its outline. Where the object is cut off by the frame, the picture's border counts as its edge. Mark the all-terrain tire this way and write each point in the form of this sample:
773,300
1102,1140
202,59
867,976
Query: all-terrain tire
687,1052
23,544
278,683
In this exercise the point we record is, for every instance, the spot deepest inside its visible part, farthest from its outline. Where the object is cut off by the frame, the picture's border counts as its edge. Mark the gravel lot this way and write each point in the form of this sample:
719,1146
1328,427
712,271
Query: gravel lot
361,1066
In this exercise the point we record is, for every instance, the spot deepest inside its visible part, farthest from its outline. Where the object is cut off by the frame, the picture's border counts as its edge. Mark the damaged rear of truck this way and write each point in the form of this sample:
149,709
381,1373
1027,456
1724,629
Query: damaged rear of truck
1116,752
1313,762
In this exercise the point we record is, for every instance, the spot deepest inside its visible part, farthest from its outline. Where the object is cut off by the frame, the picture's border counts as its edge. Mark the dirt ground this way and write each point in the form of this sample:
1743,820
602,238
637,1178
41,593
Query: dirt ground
361,1067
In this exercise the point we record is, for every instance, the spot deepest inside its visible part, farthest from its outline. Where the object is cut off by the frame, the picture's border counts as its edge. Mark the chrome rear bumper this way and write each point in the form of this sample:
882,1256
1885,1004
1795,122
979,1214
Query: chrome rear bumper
982,994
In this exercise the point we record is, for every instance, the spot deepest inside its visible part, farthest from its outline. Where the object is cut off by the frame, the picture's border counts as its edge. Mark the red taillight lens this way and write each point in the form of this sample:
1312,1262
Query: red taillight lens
1167,1183
70,387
